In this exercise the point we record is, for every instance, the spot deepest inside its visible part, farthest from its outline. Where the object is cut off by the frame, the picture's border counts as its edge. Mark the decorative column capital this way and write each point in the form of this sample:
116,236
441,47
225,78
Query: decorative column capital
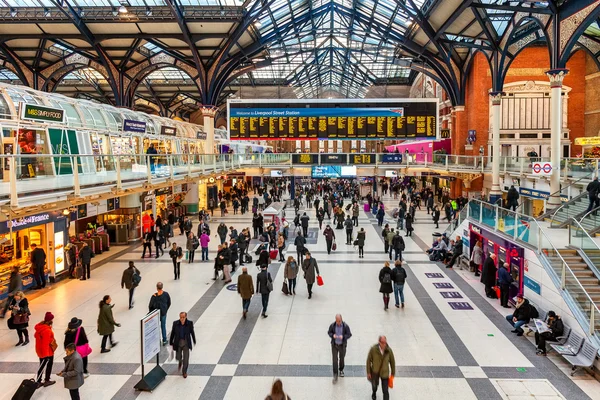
209,111
458,109
496,98
556,77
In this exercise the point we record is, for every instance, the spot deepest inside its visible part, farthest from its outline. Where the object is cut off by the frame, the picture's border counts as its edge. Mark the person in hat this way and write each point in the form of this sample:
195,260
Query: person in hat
75,334
45,345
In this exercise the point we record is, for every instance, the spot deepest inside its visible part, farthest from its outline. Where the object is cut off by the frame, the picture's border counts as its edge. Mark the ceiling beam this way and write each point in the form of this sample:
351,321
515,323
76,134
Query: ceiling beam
534,10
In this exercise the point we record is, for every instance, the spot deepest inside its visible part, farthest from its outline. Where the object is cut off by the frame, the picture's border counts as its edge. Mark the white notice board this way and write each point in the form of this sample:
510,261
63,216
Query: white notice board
150,335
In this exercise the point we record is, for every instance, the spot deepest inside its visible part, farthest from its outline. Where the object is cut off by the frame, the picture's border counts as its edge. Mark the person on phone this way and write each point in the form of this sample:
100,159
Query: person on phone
45,346
106,323
73,371
176,254
557,328
19,320
381,365
339,332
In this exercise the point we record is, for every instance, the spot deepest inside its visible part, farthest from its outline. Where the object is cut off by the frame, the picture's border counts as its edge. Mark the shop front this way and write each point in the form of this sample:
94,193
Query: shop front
90,224
161,202
506,252
47,231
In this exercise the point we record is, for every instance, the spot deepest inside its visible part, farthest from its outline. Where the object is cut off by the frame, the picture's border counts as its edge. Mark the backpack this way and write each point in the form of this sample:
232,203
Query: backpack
387,278
401,275
195,243
534,312
179,252
136,278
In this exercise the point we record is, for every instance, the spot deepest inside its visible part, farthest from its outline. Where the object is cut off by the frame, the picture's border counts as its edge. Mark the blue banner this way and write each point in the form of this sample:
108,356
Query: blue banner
539,194
317,112
391,158
134,126
326,171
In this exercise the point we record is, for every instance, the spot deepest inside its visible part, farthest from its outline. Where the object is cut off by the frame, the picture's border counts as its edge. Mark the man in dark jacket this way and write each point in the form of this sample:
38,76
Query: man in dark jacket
556,329
521,316
262,286
233,253
85,257
456,251
161,301
38,261
504,281
245,288
151,151
182,335
128,281
339,332
148,238
593,188
304,222
398,246
299,242
512,198
399,278
488,275
349,225
176,254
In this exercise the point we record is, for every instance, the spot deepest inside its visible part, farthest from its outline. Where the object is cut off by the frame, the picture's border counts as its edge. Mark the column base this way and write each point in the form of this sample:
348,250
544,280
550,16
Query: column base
495,196
553,202
192,208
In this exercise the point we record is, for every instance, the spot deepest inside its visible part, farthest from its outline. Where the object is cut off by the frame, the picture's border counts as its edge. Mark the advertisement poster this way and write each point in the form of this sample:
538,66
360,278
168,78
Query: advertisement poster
59,252
150,335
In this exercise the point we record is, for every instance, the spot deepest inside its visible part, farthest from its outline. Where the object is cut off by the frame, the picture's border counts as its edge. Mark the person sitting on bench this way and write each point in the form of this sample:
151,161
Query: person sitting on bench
556,326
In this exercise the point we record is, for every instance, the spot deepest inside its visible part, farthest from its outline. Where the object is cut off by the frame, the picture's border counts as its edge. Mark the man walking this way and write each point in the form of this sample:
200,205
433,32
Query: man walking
355,211
130,280
381,364
311,271
161,301
85,257
176,254
399,277
300,242
245,288
148,238
593,188
339,332
182,335
504,281
304,222
264,286
38,261
398,246
349,225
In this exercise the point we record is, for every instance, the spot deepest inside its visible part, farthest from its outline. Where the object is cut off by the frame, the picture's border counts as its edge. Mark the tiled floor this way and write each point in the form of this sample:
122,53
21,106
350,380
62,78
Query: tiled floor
440,352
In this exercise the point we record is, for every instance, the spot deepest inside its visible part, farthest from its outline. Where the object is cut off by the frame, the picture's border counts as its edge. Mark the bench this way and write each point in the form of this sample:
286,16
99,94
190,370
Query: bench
571,347
584,358
463,262
543,315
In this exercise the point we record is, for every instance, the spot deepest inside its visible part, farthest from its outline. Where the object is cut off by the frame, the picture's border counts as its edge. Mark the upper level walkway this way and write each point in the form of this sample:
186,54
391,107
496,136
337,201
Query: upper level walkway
34,179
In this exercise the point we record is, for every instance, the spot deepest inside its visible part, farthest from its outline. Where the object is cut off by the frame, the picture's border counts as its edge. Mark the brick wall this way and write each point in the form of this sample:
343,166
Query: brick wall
592,98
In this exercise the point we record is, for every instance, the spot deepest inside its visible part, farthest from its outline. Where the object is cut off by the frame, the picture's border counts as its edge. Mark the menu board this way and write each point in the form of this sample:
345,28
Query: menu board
319,119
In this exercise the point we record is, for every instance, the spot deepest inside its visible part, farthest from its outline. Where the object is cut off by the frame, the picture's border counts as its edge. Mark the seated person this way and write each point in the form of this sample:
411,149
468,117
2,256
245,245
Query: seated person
521,316
557,328
448,254
440,247
457,250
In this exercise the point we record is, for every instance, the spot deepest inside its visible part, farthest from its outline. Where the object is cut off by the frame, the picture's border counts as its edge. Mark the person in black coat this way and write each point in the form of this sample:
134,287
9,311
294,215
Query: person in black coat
82,339
456,251
38,261
85,256
385,280
557,329
263,257
233,250
488,275
408,222
19,307
521,316
436,216
182,335
512,198
262,286
148,238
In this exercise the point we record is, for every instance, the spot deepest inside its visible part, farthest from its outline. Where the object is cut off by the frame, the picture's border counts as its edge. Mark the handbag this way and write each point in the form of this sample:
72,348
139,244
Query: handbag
391,382
334,246
285,289
84,350
53,345
319,280
270,286
19,319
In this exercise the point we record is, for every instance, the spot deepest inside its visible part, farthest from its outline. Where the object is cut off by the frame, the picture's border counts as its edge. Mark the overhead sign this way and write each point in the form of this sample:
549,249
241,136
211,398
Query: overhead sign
45,114
588,141
326,119
362,158
168,130
308,159
201,135
134,126
334,159
445,133
539,194
391,158
541,168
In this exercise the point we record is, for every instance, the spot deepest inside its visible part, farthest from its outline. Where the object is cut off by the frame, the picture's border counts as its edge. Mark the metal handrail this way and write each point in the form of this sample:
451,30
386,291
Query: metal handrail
565,268
588,213
573,221
561,189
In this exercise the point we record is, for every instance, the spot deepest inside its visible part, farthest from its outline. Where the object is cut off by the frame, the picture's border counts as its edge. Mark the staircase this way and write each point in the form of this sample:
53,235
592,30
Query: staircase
575,207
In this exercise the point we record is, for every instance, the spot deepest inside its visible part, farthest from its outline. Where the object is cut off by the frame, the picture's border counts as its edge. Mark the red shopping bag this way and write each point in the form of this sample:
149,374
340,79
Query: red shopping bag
334,246
273,254
319,280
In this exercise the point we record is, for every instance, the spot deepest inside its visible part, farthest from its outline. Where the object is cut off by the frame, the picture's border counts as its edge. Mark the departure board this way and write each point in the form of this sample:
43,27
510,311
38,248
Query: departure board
332,119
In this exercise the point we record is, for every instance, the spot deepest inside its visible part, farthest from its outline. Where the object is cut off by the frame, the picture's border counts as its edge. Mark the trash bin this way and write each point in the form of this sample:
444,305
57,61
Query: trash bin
436,235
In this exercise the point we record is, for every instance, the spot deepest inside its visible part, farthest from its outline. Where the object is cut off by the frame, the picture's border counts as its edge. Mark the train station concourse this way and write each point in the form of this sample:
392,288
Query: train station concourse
299,199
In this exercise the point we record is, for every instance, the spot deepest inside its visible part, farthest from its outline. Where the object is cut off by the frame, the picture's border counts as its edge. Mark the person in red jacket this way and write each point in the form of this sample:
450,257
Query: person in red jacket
45,345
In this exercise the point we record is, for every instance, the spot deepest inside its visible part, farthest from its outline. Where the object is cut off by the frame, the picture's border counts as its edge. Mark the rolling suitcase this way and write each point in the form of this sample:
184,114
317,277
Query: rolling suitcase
26,389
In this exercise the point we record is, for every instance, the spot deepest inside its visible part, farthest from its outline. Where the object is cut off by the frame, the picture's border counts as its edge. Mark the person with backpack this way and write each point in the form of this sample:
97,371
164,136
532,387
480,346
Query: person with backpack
399,278
398,246
130,280
191,245
523,313
176,254
161,301
385,279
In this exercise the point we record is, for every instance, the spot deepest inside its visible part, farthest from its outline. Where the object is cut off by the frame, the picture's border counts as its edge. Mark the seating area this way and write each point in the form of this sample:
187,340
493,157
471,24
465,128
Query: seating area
573,347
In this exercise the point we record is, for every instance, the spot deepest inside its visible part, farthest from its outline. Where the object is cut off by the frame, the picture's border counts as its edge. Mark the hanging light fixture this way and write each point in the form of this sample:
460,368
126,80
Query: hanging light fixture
123,9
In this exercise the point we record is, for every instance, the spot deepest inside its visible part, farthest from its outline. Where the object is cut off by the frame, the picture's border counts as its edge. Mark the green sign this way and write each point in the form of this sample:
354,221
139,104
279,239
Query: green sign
64,142
45,114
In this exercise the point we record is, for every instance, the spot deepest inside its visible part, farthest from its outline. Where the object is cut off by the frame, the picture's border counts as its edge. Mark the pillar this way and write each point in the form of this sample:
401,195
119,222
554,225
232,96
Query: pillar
292,187
556,77
495,193
192,198
459,130
208,115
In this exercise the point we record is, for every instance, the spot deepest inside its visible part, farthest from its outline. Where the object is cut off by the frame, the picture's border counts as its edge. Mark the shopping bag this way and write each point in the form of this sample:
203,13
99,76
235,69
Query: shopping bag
496,289
319,280
391,382
334,246
273,254
285,289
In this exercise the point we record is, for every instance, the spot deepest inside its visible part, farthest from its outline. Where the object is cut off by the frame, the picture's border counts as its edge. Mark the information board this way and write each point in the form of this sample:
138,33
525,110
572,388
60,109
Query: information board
332,119
151,335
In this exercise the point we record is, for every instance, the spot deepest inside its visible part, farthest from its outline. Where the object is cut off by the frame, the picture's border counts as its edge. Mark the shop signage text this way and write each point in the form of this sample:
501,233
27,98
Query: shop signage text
168,130
30,221
305,159
39,113
334,158
588,141
362,159
538,194
391,158
134,126
201,135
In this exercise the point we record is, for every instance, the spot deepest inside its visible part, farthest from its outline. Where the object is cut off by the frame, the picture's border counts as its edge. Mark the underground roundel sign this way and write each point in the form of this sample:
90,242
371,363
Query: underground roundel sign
541,168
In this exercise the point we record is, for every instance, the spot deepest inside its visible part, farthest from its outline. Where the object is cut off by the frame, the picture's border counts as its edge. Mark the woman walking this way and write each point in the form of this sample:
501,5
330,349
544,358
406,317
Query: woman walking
290,273
277,392
385,279
191,246
106,323
19,320
281,246
409,224
360,241
75,334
